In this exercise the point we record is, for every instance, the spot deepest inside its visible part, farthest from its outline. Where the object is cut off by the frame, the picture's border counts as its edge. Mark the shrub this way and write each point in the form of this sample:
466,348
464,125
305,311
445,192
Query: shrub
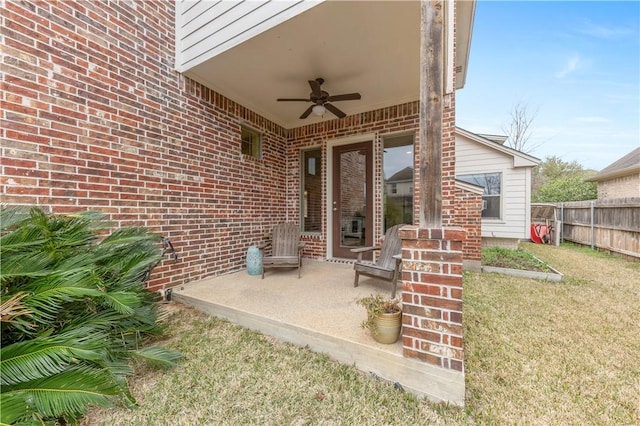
74,312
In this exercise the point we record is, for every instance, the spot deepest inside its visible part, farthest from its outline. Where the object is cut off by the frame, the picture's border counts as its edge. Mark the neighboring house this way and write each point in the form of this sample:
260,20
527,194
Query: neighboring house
620,179
165,114
505,175
399,197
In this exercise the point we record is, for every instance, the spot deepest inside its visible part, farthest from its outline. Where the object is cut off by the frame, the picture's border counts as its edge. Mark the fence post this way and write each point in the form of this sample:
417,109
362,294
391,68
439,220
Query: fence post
561,233
593,234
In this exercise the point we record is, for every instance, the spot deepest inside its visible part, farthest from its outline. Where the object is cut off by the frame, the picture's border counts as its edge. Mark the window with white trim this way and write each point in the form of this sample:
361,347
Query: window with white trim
492,195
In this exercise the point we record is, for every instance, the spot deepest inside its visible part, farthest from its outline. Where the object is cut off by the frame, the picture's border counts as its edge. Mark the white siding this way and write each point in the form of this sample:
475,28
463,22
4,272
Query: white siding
472,158
206,28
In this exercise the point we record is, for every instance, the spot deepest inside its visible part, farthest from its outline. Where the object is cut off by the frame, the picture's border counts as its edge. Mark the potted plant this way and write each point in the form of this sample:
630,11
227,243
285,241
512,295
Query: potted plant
384,317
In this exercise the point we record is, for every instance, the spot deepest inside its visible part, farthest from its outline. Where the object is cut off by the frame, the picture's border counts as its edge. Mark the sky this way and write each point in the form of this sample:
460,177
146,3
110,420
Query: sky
575,65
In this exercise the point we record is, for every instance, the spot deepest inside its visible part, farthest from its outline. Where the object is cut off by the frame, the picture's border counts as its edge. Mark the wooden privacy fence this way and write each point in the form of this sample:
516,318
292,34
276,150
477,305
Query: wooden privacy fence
607,224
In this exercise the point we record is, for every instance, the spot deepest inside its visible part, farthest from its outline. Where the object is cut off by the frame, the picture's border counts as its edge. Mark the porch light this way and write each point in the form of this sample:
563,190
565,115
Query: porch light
319,110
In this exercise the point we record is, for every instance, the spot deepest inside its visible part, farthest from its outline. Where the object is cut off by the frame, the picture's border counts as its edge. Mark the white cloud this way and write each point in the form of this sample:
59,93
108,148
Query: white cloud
570,66
593,119
604,31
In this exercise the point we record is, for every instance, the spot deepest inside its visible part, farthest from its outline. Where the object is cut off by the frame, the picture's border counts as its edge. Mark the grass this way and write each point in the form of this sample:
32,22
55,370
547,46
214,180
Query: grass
555,353
536,353
512,259
233,376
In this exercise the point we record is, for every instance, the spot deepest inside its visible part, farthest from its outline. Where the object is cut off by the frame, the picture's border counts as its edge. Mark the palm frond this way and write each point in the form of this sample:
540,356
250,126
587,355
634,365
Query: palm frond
12,307
121,302
13,410
21,241
10,216
159,356
47,299
45,356
144,320
65,394
24,264
129,236
118,368
94,220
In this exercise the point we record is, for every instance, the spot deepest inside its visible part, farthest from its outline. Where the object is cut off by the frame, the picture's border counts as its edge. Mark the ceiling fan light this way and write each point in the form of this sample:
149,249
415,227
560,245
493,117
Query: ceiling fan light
319,110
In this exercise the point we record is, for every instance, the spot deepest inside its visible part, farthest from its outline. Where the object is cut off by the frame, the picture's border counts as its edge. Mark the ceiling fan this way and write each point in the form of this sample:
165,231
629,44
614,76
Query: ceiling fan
321,100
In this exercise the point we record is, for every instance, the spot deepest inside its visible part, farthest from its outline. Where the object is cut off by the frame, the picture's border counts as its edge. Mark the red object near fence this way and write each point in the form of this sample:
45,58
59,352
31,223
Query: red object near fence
540,234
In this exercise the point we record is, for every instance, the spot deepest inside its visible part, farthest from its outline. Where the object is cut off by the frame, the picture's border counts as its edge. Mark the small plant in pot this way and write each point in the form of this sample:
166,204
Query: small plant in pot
384,317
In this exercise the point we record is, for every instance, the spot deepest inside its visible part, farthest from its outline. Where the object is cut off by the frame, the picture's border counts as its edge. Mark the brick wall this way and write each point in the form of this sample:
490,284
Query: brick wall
94,117
432,296
395,119
468,208
621,187
378,123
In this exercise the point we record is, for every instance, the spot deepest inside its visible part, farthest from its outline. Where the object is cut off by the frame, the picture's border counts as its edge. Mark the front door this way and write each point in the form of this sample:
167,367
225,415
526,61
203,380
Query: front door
352,201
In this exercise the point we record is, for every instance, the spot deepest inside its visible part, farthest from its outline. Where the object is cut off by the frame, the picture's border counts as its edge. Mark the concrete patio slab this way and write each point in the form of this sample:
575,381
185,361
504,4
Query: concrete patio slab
319,311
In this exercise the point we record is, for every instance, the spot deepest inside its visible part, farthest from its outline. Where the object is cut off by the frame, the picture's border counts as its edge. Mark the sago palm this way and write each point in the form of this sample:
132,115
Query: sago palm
74,311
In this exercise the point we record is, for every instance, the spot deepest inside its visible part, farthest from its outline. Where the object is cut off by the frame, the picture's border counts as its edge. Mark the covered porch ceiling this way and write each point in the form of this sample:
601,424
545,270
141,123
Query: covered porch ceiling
369,47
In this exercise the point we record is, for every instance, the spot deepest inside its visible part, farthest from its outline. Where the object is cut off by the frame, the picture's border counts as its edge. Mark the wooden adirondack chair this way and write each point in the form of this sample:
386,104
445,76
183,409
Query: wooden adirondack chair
286,248
388,262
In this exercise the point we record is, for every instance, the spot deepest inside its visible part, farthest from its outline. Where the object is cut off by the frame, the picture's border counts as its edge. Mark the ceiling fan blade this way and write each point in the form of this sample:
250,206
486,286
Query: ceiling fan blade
307,112
345,97
293,100
335,110
315,88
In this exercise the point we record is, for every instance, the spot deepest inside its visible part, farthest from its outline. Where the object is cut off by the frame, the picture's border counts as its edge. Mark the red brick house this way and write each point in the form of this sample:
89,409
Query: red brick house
165,114
96,117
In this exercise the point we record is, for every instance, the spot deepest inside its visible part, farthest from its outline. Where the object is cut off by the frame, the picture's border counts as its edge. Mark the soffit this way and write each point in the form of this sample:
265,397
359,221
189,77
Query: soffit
366,47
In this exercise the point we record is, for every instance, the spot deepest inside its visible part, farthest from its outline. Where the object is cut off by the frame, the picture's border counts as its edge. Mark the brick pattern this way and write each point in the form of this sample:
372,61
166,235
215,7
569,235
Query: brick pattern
390,120
468,210
94,117
620,187
385,121
432,295
315,247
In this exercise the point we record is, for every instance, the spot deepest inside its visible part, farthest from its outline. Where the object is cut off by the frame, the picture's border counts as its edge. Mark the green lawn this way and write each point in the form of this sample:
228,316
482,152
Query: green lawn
536,353
512,259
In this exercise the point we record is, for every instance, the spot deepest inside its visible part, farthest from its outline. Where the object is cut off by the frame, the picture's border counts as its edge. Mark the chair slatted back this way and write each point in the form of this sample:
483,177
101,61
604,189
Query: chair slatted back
285,240
391,246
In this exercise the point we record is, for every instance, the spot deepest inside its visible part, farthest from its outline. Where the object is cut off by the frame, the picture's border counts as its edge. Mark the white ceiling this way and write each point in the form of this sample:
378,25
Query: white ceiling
368,47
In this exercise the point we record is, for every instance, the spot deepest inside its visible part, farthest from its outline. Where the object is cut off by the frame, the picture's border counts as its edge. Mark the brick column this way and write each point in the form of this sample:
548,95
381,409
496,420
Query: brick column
432,295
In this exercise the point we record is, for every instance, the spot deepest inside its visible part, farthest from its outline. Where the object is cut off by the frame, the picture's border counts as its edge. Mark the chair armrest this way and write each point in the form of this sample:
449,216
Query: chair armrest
364,249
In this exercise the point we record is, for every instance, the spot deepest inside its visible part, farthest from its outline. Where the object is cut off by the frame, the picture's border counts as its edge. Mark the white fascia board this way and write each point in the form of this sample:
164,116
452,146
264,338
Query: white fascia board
520,159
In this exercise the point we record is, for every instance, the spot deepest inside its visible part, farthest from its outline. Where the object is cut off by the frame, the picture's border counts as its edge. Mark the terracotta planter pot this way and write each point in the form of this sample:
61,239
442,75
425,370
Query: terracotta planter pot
386,327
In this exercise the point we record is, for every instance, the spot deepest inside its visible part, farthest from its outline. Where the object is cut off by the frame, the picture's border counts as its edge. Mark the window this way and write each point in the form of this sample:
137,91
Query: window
251,140
311,190
397,163
491,198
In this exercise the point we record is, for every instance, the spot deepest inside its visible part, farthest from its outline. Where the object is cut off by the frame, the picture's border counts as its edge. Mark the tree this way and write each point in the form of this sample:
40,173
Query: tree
74,312
555,180
519,130
566,188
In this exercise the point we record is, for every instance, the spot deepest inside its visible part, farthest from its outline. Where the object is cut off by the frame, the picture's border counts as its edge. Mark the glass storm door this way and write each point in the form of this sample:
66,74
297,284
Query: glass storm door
352,201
